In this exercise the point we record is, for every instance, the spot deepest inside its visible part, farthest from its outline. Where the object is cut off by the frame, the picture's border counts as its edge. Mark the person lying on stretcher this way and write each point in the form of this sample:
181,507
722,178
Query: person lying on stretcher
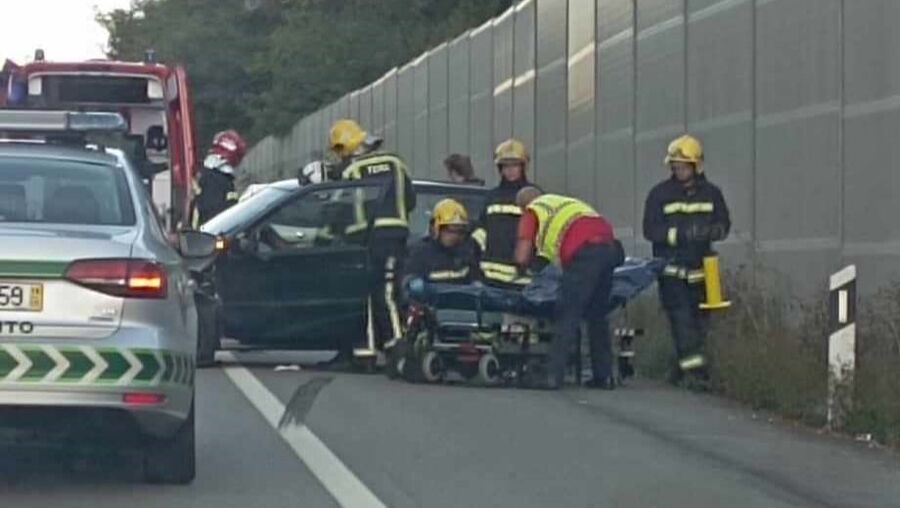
448,254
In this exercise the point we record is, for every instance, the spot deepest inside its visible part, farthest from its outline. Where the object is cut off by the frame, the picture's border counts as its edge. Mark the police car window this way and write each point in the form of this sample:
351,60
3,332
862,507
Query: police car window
321,218
154,219
64,192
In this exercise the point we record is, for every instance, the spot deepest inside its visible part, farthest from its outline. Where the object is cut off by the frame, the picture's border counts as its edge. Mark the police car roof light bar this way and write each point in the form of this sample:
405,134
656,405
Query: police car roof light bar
39,121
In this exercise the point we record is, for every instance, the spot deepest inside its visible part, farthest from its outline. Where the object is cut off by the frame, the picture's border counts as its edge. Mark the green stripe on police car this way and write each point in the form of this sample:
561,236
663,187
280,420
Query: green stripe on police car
87,365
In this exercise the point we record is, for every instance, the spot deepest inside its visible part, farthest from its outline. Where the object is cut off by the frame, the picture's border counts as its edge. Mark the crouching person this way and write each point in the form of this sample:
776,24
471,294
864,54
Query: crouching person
447,255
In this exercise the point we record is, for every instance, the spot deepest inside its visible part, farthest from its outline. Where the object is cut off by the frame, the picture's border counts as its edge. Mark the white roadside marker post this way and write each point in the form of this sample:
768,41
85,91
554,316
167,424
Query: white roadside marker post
841,344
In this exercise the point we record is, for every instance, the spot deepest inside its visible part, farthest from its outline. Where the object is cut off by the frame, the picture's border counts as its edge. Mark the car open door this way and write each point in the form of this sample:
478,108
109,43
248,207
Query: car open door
299,278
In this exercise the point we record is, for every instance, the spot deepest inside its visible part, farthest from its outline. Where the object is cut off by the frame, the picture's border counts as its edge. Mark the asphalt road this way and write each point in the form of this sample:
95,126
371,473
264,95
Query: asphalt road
314,438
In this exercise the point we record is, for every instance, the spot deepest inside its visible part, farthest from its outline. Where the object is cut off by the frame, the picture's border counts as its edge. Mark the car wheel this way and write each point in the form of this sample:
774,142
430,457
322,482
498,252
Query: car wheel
172,460
209,332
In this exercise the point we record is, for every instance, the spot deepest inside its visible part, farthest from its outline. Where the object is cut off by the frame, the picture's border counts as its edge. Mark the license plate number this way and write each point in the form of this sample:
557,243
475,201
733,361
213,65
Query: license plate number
21,296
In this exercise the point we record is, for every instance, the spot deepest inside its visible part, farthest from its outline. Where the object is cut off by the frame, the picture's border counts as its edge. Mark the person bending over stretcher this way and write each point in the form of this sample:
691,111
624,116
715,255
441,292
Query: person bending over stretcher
572,235
448,254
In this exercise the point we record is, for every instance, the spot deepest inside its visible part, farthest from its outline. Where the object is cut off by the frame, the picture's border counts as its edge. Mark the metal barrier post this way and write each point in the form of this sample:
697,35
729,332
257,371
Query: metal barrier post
841,344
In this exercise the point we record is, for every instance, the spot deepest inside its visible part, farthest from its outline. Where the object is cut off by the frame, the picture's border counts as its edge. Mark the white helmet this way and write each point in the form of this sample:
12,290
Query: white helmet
313,173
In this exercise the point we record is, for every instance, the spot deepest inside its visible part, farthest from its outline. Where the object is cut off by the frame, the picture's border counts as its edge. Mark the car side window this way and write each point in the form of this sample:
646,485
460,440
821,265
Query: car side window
320,218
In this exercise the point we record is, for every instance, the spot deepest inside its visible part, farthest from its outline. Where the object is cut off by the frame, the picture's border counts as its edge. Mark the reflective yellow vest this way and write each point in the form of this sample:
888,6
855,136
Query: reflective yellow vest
555,214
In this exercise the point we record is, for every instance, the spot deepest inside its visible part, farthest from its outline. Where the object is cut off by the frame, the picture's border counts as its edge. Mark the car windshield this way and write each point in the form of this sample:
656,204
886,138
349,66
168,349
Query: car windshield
63,192
238,214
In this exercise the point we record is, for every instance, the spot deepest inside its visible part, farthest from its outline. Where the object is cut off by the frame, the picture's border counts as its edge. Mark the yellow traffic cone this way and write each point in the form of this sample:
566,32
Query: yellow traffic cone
713,281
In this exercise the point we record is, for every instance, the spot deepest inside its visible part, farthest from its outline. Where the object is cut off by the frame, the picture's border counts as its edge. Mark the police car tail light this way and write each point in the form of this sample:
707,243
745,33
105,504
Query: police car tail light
132,278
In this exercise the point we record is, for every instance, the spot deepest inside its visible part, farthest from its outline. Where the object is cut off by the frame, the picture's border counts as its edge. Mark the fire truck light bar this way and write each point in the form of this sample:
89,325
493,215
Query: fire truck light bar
60,121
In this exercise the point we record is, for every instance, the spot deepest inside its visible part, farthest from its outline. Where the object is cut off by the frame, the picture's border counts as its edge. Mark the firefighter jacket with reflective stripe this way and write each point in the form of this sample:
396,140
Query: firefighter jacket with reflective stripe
430,260
216,194
555,214
389,216
672,211
496,233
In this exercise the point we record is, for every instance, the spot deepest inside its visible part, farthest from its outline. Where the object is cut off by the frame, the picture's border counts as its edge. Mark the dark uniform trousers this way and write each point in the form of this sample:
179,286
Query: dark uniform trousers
384,324
585,293
681,300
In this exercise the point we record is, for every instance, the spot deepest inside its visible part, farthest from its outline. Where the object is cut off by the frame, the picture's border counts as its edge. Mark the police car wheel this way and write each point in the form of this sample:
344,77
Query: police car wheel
489,369
172,460
432,367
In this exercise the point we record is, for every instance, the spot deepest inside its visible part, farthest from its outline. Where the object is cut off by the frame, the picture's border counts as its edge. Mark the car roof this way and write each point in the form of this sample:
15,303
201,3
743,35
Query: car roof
56,152
448,186
291,184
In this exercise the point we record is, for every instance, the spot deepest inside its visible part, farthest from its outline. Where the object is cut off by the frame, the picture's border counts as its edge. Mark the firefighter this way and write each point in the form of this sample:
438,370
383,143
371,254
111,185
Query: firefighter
448,254
386,223
216,187
682,217
497,225
572,235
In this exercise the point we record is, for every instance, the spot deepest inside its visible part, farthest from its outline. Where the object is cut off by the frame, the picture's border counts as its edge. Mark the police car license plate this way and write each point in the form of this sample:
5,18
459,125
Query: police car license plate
21,296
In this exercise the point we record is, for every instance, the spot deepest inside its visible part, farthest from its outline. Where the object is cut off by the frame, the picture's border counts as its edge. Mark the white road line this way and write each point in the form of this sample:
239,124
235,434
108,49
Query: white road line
337,479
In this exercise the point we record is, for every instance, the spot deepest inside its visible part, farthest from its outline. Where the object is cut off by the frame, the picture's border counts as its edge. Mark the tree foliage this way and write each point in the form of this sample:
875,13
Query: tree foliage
260,65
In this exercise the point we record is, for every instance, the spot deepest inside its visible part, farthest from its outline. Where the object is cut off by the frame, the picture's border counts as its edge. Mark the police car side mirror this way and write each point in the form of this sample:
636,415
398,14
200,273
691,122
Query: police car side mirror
196,244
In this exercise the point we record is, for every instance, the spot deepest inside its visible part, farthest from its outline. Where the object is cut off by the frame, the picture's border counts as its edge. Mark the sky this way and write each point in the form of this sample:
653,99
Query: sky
65,29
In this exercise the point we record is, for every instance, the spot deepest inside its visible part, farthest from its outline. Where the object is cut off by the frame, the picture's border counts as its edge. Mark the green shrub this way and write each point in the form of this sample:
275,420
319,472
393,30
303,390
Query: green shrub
876,402
771,353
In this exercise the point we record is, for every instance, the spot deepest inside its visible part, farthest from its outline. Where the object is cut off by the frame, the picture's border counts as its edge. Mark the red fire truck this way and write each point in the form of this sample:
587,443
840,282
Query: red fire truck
154,99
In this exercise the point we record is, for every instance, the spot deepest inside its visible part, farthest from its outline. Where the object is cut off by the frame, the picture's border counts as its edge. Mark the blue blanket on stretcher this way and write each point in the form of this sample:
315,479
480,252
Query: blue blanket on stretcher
539,297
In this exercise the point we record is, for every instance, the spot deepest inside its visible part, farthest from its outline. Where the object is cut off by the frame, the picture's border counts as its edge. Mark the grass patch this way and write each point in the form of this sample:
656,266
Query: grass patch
770,352
876,406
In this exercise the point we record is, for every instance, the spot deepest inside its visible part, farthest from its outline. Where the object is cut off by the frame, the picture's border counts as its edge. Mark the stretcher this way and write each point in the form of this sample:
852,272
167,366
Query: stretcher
493,335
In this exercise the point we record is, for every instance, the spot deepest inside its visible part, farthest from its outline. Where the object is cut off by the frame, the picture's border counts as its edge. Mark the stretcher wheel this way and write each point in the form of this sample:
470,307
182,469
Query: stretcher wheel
432,367
489,369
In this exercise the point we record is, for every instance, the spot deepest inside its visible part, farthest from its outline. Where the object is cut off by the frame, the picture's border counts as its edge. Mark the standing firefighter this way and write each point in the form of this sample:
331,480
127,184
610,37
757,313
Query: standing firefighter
682,217
499,219
216,192
388,219
572,235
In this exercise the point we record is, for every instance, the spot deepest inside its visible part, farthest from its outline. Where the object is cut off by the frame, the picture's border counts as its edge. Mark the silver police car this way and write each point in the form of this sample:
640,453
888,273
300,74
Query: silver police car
98,327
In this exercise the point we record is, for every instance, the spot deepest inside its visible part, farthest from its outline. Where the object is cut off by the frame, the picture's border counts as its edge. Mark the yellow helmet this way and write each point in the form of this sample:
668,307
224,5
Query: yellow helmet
511,150
449,212
345,137
686,148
